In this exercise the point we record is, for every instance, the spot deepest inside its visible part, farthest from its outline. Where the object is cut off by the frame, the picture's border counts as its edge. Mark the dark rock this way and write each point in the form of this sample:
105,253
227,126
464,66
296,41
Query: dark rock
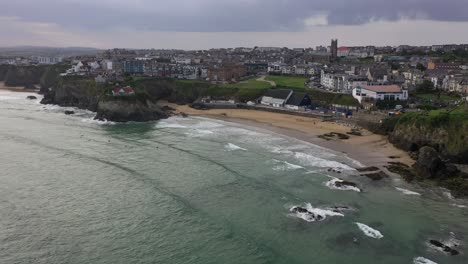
344,184
366,169
339,208
167,108
129,110
184,115
444,247
30,87
298,209
430,165
69,112
402,169
31,97
376,176
301,210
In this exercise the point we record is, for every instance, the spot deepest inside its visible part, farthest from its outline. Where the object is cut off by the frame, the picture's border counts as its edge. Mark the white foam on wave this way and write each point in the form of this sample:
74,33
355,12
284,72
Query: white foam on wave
332,185
207,123
308,159
459,205
421,260
309,217
199,133
286,166
169,125
232,147
448,194
6,98
407,192
279,150
369,231
97,122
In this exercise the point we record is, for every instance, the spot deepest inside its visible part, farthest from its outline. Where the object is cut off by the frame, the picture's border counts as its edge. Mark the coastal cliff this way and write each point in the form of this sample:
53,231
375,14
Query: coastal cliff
445,131
80,92
85,93
28,76
439,141
129,110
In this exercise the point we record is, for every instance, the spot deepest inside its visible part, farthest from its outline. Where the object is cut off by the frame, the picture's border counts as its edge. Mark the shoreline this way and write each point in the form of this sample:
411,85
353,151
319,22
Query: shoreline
369,149
19,89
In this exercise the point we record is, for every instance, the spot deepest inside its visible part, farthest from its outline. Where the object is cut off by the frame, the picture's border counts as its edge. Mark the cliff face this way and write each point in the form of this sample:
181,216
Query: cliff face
446,132
85,93
30,75
77,92
129,110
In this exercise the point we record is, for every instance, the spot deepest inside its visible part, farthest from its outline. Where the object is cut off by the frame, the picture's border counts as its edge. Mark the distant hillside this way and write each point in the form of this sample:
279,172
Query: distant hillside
27,51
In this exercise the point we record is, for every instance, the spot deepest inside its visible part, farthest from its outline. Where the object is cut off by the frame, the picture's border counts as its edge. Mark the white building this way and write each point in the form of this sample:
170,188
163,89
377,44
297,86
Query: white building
107,65
380,92
354,82
49,60
276,97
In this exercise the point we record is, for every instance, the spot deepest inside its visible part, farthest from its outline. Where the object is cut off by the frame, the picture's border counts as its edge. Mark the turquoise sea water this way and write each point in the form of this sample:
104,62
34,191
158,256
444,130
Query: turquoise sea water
196,190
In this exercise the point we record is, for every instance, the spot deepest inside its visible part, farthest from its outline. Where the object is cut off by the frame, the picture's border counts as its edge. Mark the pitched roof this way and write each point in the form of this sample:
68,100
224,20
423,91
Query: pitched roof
278,93
383,88
296,98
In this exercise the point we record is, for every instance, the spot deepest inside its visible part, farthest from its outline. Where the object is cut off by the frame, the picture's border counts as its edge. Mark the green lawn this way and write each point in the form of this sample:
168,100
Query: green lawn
250,84
433,96
295,83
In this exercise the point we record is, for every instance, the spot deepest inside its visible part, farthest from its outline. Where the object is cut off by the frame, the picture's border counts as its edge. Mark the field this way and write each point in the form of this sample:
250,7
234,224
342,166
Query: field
434,97
295,83
250,84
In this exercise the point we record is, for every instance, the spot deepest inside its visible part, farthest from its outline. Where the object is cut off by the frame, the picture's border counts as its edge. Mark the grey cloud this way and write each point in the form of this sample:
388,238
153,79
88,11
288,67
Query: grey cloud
223,15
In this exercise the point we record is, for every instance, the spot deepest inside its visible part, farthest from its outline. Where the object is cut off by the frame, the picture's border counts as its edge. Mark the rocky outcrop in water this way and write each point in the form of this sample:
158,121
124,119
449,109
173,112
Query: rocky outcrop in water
85,93
445,248
446,132
74,92
129,110
31,97
430,165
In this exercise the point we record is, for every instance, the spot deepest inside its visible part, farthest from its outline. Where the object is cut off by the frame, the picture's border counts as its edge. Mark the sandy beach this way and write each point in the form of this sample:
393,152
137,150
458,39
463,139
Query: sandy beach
369,149
16,88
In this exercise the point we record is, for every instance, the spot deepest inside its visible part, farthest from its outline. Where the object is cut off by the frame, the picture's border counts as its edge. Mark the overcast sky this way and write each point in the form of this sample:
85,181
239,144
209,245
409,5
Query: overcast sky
201,24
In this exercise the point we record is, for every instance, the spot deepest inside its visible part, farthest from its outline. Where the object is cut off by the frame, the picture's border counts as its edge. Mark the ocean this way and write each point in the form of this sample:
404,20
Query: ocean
198,190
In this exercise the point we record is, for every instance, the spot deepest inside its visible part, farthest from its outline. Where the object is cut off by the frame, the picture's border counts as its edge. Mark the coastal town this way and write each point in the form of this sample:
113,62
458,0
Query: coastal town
351,78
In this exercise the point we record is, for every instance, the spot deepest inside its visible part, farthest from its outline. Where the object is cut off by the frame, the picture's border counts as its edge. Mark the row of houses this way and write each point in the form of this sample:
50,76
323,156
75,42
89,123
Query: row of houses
299,70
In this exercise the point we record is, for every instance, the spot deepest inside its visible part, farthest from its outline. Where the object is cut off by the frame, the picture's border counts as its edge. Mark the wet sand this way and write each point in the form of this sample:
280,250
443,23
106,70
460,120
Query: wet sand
369,149
17,88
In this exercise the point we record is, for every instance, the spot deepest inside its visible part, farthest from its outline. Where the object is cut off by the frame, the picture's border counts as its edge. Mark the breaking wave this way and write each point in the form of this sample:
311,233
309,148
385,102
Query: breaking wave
286,166
332,184
232,147
369,231
169,125
97,122
421,260
313,214
407,192
307,159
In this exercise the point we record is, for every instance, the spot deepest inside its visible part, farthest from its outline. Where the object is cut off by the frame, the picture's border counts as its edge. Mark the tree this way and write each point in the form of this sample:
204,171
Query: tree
425,87
421,67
